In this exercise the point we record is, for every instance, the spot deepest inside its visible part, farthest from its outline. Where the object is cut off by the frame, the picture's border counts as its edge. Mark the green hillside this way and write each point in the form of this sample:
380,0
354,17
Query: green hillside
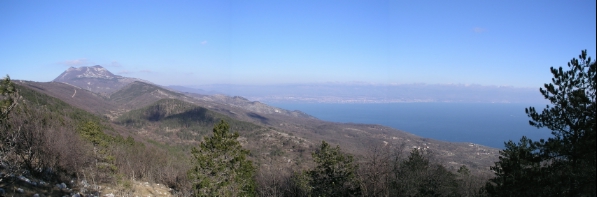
174,117
56,111
48,141
140,94
151,137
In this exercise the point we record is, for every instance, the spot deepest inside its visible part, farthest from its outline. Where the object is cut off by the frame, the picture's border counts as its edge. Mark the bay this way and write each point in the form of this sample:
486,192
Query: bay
489,124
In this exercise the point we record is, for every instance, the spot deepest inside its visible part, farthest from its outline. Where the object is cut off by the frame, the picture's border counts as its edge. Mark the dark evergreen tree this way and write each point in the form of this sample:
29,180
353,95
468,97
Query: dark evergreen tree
563,165
335,173
467,185
418,177
518,171
221,167
93,132
411,174
439,182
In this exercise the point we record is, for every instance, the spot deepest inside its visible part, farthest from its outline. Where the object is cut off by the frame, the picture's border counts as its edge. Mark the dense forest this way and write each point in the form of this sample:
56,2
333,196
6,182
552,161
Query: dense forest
52,148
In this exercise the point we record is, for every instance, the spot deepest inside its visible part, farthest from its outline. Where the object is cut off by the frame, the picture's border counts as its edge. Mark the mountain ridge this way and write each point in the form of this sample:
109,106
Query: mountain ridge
354,137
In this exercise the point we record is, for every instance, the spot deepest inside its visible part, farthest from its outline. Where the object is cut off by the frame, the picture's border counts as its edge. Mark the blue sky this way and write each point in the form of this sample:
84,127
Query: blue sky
280,42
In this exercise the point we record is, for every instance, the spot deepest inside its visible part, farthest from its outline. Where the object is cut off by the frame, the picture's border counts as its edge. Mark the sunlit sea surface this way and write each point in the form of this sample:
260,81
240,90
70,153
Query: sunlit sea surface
481,123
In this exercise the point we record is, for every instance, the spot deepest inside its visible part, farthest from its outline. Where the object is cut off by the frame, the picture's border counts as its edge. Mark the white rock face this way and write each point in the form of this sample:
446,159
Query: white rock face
86,72
95,78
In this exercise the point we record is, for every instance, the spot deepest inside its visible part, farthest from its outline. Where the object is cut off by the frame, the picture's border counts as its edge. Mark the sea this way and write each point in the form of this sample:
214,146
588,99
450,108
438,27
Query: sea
489,124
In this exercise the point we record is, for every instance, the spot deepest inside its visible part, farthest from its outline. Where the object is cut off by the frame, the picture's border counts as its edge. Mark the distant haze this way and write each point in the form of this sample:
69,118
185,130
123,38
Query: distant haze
197,42
371,93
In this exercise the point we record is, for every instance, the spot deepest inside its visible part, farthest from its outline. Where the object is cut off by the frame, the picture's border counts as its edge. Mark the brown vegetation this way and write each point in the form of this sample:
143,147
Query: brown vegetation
92,148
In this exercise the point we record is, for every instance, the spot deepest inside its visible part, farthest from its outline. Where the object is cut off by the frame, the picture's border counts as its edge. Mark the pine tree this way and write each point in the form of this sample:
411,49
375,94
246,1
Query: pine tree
412,173
563,165
221,167
417,176
518,171
335,173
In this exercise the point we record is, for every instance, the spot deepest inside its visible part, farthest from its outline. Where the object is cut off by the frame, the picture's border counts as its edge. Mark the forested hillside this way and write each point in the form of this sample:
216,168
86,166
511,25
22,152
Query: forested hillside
153,143
146,140
50,142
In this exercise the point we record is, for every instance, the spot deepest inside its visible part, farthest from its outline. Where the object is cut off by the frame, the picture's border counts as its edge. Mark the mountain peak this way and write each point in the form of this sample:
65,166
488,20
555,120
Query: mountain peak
96,71
94,78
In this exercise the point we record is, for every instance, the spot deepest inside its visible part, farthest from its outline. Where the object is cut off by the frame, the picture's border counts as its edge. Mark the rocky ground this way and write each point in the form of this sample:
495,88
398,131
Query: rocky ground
24,186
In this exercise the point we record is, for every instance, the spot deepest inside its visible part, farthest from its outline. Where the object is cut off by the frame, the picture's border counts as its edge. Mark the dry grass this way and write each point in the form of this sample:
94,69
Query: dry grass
136,188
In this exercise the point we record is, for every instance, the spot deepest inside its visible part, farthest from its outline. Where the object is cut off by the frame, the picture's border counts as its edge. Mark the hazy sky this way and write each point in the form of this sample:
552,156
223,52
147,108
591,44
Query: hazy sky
286,41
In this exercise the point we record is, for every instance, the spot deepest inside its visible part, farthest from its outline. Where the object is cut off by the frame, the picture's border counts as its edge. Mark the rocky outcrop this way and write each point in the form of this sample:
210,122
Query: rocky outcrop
95,79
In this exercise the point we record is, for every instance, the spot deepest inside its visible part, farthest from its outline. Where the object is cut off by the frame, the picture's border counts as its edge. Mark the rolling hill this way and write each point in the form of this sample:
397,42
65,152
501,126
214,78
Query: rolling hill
142,122
172,117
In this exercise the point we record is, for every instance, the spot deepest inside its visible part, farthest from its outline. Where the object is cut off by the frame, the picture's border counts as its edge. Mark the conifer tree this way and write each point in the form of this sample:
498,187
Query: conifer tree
563,165
221,167
92,132
417,176
335,173
412,173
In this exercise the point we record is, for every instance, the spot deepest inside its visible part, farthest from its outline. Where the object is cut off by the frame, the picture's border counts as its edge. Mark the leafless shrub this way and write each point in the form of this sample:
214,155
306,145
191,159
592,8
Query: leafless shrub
144,162
375,171
272,180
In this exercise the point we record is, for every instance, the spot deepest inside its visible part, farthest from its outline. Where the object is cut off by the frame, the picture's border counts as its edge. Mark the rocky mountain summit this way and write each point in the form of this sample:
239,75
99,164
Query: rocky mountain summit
86,72
95,79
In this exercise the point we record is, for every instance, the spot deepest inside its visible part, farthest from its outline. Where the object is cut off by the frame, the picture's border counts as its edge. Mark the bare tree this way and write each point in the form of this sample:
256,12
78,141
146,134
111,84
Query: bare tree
375,173
9,97
272,180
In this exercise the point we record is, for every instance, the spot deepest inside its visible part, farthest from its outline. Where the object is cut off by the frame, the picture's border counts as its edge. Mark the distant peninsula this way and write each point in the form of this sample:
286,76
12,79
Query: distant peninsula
372,93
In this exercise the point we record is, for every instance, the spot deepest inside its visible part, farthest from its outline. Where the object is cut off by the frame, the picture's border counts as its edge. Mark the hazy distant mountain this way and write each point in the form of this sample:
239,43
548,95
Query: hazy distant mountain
95,78
253,106
375,93
191,90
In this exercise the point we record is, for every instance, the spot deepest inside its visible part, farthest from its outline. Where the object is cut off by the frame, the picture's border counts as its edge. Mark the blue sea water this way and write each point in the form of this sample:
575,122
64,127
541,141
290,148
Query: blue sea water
487,124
